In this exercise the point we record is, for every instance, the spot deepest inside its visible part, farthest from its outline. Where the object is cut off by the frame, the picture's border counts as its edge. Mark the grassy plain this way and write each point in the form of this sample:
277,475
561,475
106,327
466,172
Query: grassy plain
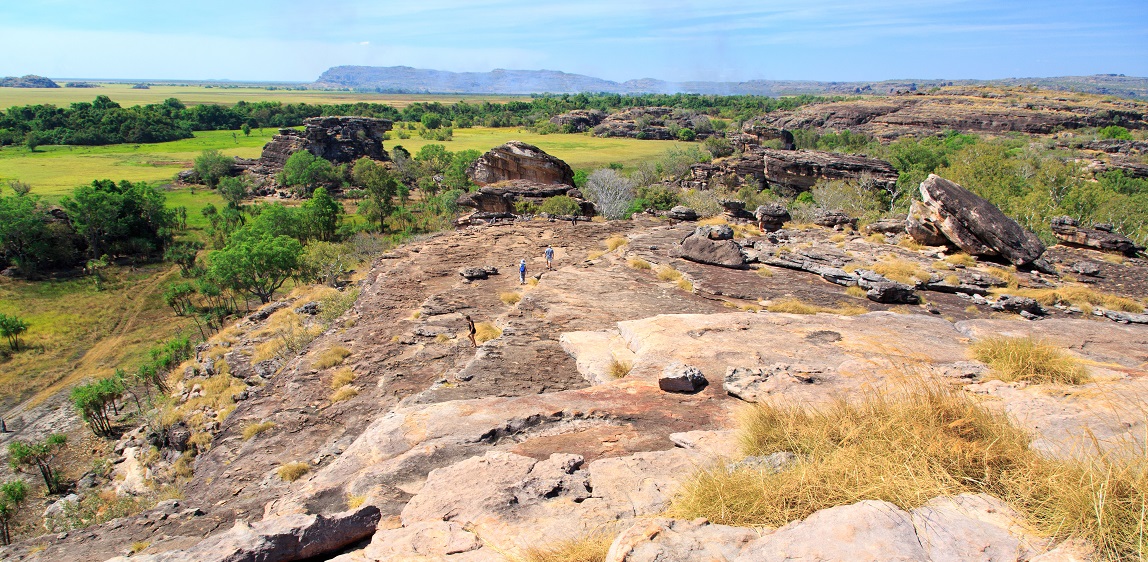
125,95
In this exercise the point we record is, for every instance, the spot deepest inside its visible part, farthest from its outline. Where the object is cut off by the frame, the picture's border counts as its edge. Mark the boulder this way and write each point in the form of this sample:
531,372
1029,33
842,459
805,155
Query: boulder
973,224
1011,303
799,170
700,248
834,219
338,139
476,273
517,160
658,540
677,377
1069,232
880,289
922,225
735,210
772,217
885,226
682,213
715,232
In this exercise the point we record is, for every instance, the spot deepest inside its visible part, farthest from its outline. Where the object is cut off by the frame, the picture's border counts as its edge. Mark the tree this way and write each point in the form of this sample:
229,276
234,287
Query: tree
246,130
40,455
304,172
610,192
381,188
12,494
212,165
321,215
326,262
96,402
23,231
431,120
11,327
256,262
183,254
455,176
561,205
234,190
95,215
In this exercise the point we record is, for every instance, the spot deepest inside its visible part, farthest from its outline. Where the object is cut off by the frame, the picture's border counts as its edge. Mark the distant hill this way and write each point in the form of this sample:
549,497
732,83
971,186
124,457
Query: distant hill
404,79
29,81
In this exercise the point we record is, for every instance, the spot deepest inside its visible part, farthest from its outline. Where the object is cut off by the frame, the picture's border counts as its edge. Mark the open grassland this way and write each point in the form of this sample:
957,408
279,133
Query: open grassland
53,171
76,331
125,95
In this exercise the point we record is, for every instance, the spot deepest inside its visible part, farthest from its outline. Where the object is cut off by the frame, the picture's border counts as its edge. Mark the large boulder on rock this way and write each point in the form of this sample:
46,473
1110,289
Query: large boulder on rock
970,223
682,213
1101,237
501,197
517,160
701,247
772,217
338,139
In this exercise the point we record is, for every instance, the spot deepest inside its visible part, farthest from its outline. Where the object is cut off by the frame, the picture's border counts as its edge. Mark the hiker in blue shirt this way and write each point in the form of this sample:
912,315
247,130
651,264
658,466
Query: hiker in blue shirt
549,257
522,272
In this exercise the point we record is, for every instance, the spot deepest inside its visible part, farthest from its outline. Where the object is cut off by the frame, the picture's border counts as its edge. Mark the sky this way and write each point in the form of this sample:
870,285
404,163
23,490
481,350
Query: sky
676,40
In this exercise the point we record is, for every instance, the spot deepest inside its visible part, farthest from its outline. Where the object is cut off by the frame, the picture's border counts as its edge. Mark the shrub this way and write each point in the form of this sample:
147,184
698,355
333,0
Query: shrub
704,202
610,192
11,327
560,205
1114,132
292,471
346,392
719,147
686,134
1030,360
252,429
331,357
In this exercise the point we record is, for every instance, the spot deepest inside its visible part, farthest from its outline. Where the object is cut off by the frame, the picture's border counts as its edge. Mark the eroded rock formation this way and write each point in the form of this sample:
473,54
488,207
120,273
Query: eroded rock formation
338,139
791,171
517,160
1100,237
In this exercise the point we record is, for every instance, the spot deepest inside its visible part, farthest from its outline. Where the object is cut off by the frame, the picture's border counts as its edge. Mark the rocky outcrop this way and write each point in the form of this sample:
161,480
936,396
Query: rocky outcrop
27,81
713,248
500,198
338,139
970,223
579,120
790,171
517,160
1101,237
653,123
762,132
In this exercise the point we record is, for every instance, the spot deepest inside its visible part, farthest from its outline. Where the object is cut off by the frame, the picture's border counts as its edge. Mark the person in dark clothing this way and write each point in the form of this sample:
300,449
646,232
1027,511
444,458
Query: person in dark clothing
471,331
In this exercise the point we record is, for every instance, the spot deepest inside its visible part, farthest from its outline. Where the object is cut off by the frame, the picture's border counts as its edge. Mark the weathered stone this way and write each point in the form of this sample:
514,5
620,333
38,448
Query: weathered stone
799,170
757,383
973,224
517,160
476,273
885,226
922,225
579,120
498,200
677,377
1012,303
651,123
1068,231
682,213
735,209
834,219
883,290
969,527
338,139
659,540
700,248
771,218
864,531
177,436
715,232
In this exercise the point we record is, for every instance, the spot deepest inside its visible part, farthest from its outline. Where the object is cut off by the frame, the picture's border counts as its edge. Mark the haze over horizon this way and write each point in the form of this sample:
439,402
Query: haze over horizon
673,40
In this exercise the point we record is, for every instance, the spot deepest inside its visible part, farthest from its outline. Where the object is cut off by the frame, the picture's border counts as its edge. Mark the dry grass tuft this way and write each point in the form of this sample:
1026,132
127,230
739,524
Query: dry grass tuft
532,281
252,429
875,238
1030,360
345,392
764,271
354,502
1113,258
619,369
667,273
1008,277
909,446
614,242
342,377
856,292
1079,296
595,254
685,285
485,331
293,471
589,548
749,307
797,306
901,271
952,280
331,357
837,238
908,243
639,263
510,298
269,349
961,258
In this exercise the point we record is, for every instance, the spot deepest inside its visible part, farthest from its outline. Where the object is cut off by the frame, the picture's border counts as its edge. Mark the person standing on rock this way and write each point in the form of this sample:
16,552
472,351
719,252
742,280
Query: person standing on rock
549,253
522,272
471,331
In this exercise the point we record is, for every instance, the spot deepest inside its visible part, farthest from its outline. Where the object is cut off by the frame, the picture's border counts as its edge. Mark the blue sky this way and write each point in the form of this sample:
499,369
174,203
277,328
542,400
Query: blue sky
295,40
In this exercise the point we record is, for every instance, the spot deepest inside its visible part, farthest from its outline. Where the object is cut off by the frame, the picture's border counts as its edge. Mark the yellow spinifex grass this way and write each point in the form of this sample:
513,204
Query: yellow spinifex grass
331,357
588,548
1030,360
912,444
485,331
293,471
1079,296
252,429
797,306
614,242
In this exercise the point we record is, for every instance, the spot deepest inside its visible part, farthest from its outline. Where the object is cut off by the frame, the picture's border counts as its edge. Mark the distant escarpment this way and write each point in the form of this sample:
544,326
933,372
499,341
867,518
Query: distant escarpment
27,81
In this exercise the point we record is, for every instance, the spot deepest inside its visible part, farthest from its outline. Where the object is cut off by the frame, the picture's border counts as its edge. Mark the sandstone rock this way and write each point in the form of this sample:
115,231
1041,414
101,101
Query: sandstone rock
799,170
1068,231
285,538
762,132
650,123
970,527
579,120
885,226
834,219
883,290
1012,303
1086,268
422,540
735,210
517,160
922,225
715,232
700,248
677,377
755,384
338,139
864,531
497,200
771,218
477,273
682,213
975,225
662,539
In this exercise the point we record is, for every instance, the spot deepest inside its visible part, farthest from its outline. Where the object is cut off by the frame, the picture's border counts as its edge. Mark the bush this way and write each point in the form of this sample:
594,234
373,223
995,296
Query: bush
719,147
1114,132
212,166
610,191
686,135
561,205
1030,360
